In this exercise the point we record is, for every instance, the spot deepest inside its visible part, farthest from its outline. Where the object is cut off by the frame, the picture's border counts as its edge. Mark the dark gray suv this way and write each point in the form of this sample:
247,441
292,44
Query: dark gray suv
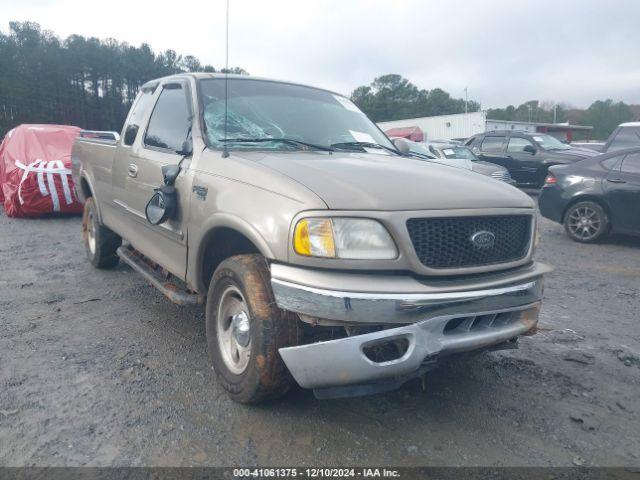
526,155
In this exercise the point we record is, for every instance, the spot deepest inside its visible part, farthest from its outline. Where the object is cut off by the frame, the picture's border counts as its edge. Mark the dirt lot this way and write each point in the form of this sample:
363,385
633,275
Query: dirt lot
97,368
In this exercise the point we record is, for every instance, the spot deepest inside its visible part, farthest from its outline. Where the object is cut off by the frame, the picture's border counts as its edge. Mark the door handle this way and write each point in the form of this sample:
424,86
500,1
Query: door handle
615,180
133,170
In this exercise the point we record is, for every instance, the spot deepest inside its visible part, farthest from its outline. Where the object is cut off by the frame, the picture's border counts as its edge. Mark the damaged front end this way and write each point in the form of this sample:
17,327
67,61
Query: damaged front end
360,343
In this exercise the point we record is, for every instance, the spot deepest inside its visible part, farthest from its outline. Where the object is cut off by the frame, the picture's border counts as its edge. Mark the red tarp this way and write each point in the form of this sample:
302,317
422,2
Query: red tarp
35,171
410,133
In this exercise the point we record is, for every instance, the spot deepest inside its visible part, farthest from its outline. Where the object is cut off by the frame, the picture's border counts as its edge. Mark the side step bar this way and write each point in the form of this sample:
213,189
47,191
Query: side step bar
168,289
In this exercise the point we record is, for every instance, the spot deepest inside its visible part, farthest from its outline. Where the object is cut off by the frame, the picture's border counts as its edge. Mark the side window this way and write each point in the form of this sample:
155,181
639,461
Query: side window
470,141
517,144
612,162
170,122
631,163
492,144
625,138
138,110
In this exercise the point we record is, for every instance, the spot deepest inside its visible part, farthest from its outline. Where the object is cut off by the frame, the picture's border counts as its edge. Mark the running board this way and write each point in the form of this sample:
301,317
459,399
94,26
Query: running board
170,290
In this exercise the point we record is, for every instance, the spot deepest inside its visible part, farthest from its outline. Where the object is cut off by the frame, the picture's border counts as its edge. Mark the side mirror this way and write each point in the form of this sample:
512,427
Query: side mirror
162,205
402,145
130,134
187,148
529,149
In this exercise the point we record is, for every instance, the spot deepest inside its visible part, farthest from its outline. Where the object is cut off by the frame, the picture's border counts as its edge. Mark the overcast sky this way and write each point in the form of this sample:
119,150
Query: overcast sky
506,52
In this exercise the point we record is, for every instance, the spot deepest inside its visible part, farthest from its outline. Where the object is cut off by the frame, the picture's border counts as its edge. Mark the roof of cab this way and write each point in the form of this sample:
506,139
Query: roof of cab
205,75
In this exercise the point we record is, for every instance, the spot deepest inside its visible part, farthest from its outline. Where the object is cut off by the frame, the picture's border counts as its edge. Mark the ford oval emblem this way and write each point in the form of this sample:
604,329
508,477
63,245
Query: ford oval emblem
483,239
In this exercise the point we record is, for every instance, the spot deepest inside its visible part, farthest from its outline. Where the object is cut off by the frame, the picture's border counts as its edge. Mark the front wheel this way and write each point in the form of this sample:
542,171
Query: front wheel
586,222
245,330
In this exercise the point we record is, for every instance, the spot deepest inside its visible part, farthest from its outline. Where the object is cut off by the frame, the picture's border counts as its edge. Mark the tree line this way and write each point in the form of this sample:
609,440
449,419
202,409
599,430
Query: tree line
603,115
80,81
91,83
392,97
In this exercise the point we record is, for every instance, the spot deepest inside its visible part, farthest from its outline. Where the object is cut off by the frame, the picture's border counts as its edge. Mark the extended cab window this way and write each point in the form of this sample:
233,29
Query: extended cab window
170,122
625,138
492,144
140,107
517,144
631,164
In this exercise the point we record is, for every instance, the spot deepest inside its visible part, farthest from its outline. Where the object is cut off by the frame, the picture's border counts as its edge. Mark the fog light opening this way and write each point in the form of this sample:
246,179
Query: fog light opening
386,350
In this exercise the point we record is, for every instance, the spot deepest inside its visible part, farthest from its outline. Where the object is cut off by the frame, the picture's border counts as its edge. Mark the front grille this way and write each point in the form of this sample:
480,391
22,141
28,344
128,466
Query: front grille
447,242
502,175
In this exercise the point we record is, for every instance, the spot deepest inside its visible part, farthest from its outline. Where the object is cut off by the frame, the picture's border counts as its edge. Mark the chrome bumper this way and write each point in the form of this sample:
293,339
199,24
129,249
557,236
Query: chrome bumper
434,322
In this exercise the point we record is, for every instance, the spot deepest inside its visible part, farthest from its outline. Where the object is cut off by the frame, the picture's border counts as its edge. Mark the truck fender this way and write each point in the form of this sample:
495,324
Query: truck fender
225,220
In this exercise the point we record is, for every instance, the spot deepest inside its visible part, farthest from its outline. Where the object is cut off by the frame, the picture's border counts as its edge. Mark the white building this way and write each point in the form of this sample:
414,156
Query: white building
443,127
463,125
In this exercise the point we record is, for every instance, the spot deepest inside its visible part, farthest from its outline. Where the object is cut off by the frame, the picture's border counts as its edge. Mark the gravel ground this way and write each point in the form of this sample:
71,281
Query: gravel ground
97,368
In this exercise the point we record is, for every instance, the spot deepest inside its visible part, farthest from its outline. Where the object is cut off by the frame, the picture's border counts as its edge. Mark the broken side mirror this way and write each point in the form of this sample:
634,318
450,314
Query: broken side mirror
402,145
162,205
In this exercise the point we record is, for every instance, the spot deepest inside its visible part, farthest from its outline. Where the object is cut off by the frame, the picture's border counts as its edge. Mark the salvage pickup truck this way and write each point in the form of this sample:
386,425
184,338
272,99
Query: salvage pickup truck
322,252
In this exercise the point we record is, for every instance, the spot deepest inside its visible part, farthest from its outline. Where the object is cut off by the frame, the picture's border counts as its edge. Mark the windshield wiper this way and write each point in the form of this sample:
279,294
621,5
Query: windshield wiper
421,155
365,145
288,141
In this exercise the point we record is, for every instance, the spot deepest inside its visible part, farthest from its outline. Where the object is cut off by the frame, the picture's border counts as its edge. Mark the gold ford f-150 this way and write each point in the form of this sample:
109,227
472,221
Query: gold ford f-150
322,251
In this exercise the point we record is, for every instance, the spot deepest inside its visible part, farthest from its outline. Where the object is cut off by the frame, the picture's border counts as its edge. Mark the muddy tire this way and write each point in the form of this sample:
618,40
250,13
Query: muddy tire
99,242
245,329
586,222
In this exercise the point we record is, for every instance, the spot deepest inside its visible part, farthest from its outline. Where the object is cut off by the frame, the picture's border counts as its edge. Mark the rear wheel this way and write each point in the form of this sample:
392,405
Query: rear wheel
586,222
100,242
245,330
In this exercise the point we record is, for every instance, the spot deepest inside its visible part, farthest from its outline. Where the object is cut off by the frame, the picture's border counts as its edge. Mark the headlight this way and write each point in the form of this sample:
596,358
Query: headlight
348,238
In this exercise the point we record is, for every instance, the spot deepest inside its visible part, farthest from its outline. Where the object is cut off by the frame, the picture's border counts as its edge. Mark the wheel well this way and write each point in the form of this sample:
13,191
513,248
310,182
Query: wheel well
588,198
86,190
222,243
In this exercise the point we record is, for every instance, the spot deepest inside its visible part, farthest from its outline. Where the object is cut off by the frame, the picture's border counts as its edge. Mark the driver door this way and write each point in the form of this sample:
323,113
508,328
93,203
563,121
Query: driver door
168,127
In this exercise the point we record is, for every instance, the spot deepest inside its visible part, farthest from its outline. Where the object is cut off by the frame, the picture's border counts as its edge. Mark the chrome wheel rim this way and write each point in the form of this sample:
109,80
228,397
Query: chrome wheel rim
234,330
584,223
91,232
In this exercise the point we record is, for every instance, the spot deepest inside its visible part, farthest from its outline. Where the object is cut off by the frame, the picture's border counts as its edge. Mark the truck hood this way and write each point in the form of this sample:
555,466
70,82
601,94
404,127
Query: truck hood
369,181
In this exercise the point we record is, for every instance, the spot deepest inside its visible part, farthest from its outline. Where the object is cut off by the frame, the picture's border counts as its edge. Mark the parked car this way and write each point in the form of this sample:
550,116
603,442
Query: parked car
596,196
451,151
526,155
459,156
626,135
323,255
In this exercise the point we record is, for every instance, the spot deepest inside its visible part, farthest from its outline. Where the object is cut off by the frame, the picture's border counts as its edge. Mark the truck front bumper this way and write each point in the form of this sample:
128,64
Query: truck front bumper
433,319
